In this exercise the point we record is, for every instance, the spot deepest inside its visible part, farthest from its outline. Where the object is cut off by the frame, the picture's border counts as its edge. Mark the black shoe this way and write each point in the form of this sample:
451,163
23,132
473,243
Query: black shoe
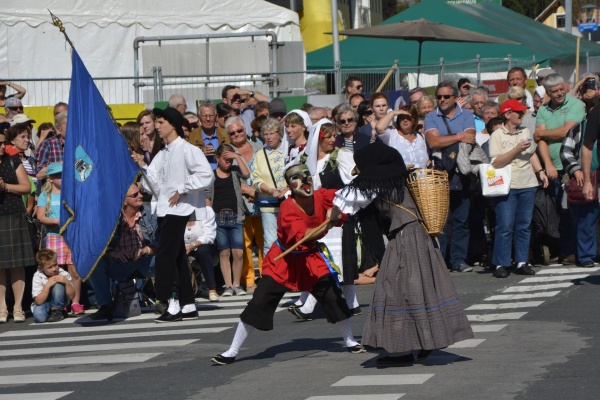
423,354
299,314
187,316
393,360
357,349
222,360
55,316
168,317
587,264
104,312
525,270
501,272
356,311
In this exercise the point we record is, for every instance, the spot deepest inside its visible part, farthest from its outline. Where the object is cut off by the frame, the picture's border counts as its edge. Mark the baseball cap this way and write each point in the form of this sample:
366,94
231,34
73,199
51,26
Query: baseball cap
512,105
21,119
54,168
541,74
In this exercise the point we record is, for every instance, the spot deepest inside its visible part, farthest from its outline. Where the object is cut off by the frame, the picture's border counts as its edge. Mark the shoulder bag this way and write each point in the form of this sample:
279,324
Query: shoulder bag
265,199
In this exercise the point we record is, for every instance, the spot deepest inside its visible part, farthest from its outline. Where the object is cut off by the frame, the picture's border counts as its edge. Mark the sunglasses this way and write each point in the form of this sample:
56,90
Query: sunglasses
234,132
404,117
3,143
346,121
16,108
444,96
368,112
359,87
134,195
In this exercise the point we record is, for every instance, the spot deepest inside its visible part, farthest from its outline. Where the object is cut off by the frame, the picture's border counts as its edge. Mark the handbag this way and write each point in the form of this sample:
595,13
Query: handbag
265,199
575,192
495,181
126,303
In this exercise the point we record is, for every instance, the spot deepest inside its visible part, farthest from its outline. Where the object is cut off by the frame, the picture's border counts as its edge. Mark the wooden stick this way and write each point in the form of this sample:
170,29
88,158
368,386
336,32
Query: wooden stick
387,77
307,236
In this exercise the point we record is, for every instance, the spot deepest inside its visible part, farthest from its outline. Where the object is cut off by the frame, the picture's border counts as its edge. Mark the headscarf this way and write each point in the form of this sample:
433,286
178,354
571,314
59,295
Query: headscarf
312,146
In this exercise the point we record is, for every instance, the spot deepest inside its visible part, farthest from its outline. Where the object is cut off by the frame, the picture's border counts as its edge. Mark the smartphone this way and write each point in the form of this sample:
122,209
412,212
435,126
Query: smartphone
591,83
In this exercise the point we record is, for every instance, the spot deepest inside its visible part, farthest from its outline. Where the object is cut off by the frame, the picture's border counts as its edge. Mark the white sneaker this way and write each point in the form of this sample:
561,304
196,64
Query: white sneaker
228,292
212,296
239,291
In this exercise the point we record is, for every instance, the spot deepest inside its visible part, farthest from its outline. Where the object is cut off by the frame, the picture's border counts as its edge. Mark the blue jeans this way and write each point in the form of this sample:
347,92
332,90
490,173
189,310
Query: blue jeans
57,299
586,216
116,270
230,234
567,227
205,255
457,227
513,221
269,223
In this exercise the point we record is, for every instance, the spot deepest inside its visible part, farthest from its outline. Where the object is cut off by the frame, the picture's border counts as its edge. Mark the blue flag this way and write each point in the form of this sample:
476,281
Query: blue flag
97,172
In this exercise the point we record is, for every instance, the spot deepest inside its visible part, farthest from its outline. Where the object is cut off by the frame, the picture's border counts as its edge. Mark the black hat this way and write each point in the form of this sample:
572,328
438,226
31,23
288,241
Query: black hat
381,172
173,116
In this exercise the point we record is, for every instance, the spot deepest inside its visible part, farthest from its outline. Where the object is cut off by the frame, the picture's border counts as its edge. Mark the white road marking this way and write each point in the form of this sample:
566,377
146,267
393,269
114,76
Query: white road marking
567,270
357,397
502,306
488,328
34,396
495,317
533,288
538,279
522,296
466,344
81,360
55,378
383,380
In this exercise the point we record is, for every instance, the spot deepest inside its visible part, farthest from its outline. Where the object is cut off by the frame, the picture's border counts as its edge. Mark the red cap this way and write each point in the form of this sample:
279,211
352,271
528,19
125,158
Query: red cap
512,105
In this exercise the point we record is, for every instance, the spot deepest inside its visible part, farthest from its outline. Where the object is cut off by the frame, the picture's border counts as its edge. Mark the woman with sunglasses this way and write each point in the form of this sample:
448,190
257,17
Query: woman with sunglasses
409,143
13,225
347,125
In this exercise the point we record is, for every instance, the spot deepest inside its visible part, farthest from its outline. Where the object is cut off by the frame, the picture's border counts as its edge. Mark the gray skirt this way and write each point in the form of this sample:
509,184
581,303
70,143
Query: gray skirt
415,305
16,249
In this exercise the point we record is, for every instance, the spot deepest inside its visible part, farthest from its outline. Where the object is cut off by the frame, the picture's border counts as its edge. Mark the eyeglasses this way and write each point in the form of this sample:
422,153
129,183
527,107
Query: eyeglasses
16,108
346,121
465,86
359,87
368,112
134,195
237,131
444,96
404,117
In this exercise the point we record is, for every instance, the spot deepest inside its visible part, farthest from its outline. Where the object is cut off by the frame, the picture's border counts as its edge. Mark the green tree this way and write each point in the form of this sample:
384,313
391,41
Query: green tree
529,8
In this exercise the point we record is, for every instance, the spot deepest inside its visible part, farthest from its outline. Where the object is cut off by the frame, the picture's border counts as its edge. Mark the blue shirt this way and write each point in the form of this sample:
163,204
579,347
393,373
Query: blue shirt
54,211
479,124
462,119
214,141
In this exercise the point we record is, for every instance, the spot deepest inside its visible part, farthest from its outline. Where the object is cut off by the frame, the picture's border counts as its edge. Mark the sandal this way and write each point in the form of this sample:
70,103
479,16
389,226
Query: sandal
18,316
3,316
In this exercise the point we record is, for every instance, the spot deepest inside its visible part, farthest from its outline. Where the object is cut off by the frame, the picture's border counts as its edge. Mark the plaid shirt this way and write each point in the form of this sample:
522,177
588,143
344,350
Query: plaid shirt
131,238
51,150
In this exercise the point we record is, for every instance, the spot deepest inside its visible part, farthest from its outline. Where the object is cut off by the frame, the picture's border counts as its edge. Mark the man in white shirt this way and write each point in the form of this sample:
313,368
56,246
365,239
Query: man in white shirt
178,177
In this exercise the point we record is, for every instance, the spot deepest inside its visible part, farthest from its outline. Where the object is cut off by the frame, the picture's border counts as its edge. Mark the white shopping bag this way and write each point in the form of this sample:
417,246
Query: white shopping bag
494,181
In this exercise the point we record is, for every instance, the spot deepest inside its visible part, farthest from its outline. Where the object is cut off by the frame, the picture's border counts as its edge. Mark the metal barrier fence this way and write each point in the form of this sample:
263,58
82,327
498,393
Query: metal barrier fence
149,89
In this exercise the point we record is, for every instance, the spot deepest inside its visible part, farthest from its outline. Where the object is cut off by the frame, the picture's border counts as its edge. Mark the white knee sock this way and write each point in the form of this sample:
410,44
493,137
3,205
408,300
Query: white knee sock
174,306
188,308
346,329
350,295
302,299
309,304
241,333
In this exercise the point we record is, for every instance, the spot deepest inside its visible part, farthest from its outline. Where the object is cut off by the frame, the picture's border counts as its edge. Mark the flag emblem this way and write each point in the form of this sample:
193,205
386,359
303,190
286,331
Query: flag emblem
83,164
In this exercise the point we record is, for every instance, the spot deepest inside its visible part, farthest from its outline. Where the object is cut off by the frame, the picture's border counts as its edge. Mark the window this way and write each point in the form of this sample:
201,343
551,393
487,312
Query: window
559,21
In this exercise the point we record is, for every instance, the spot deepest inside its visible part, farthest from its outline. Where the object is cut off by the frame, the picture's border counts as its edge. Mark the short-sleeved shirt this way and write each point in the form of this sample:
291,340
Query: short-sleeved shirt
414,152
572,110
40,280
462,119
54,211
502,142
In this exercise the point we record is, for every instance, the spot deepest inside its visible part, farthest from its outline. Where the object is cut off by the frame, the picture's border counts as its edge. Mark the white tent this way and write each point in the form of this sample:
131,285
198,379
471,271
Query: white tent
103,32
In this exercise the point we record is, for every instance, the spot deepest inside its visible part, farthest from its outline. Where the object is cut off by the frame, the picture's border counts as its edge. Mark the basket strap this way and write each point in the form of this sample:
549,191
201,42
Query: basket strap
408,211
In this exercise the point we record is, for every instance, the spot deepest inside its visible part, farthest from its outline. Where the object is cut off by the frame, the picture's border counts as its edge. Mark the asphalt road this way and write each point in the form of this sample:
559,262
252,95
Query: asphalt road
535,338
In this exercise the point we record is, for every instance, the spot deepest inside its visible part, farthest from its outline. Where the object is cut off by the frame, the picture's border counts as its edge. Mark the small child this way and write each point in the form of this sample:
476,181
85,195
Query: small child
51,288
48,213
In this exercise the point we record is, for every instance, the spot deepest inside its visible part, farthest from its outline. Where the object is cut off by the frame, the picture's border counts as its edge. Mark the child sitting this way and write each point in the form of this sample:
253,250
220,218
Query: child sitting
51,288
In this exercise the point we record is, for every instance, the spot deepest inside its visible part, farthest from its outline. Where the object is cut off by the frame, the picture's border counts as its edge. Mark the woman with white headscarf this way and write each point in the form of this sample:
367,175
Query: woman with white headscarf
331,168
297,128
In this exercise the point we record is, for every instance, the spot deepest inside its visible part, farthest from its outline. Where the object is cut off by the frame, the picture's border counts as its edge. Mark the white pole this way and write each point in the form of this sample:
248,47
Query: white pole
337,64
569,16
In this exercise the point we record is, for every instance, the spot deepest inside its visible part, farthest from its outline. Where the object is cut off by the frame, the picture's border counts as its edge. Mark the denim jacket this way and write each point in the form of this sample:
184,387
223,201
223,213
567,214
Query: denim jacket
148,226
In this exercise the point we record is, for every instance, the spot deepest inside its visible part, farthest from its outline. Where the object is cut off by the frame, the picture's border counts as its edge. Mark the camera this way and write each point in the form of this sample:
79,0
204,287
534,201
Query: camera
591,84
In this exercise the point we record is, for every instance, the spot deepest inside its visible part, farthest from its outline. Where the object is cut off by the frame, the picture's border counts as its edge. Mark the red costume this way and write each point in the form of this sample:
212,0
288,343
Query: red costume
301,269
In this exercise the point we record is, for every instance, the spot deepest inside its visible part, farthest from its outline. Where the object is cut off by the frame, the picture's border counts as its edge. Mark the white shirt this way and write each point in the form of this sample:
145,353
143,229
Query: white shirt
345,165
412,153
481,138
180,167
40,280
204,231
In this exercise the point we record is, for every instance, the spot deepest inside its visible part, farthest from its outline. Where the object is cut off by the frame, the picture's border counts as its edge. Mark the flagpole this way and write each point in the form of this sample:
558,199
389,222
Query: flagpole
58,23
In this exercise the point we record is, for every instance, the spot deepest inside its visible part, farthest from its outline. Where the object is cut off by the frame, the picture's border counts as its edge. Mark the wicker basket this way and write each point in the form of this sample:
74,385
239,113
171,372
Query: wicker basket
429,188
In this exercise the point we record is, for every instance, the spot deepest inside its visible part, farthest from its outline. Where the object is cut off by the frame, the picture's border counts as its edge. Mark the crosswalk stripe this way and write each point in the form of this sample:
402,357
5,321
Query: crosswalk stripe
538,279
55,378
567,270
127,335
522,296
466,344
101,326
95,347
494,317
81,360
532,288
287,297
358,397
383,380
488,328
34,396
503,306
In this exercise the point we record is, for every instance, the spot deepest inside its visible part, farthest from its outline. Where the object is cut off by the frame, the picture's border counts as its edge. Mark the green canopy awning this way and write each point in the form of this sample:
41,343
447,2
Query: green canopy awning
546,44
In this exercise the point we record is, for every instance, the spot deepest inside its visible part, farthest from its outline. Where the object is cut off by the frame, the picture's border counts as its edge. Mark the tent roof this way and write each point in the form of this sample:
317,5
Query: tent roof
149,13
537,40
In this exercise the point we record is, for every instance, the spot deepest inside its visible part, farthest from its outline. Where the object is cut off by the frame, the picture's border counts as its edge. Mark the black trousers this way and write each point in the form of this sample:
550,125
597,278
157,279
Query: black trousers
260,310
171,269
